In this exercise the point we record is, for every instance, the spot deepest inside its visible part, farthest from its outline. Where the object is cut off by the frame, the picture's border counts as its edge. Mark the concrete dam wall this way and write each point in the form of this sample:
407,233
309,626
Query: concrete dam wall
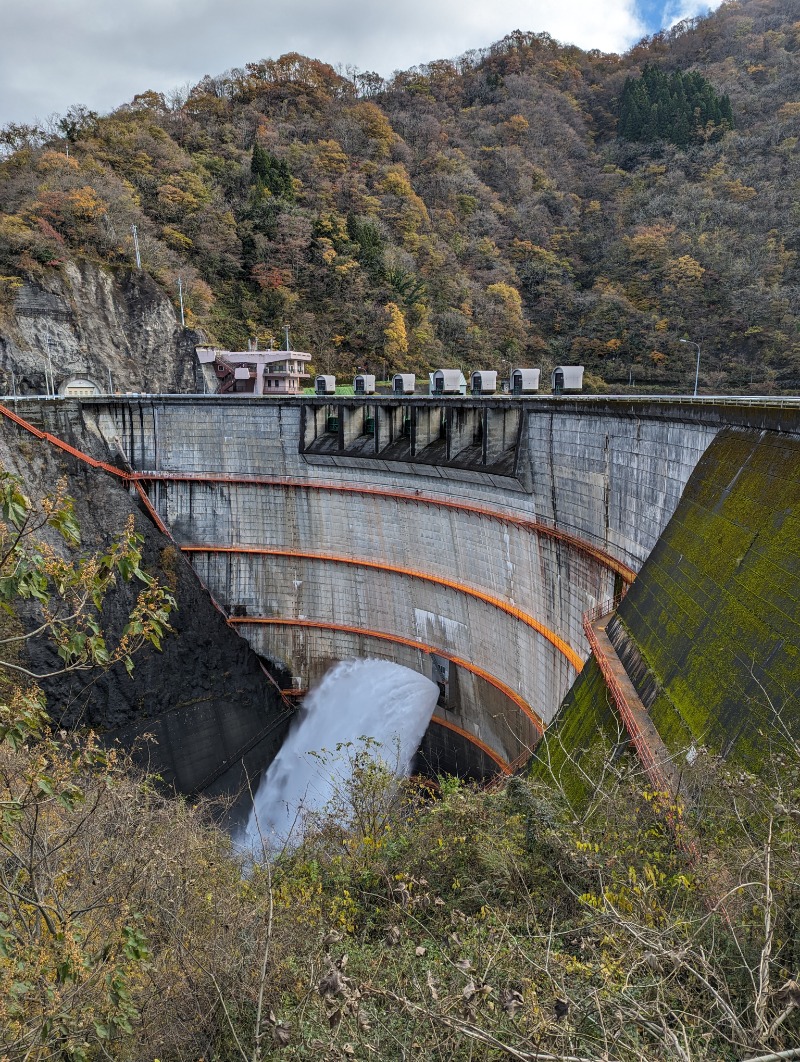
464,539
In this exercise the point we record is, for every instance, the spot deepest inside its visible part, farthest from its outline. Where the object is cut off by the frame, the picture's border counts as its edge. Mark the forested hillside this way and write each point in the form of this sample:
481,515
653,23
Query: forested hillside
495,209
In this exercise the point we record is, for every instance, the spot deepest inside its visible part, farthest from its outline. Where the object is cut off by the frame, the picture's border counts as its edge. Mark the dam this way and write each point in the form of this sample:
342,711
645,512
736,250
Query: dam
464,538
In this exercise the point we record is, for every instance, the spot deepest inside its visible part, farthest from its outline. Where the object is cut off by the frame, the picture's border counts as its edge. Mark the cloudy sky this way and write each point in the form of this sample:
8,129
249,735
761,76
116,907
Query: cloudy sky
55,53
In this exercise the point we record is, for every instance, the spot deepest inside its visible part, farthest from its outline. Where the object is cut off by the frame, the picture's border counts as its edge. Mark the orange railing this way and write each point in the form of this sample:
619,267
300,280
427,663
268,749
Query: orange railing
61,445
417,497
137,480
640,742
536,526
602,608
659,770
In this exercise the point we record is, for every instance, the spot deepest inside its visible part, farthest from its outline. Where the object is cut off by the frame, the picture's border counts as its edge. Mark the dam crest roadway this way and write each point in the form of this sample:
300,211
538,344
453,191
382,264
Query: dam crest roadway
465,538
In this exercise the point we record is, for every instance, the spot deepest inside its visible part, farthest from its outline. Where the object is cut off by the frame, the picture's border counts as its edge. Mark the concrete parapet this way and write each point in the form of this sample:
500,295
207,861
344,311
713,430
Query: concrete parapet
427,427
393,432
465,433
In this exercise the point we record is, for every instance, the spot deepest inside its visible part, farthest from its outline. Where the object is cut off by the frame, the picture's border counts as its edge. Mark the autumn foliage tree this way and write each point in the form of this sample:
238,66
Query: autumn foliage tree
64,972
527,163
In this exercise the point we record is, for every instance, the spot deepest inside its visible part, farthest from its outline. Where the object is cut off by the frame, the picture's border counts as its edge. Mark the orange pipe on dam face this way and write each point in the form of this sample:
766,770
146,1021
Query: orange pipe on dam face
536,526
267,551
525,708
546,530
504,766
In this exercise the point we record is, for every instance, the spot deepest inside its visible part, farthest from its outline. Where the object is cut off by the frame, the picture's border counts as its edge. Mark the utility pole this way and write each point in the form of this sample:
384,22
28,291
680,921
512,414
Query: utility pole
110,385
286,328
52,390
180,296
692,343
135,232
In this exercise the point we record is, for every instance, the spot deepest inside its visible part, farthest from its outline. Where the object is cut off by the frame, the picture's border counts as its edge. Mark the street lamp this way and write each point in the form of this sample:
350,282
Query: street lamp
697,369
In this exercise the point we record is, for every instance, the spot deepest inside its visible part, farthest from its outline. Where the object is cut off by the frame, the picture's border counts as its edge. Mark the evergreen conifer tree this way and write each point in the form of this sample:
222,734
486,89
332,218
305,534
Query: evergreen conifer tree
270,173
677,107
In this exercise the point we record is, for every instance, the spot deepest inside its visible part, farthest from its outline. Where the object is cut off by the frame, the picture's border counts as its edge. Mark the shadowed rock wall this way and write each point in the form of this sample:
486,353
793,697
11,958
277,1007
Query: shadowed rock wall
204,698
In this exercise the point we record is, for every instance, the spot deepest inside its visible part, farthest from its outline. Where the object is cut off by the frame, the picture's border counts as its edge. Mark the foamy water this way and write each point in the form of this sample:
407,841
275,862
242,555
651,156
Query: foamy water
357,699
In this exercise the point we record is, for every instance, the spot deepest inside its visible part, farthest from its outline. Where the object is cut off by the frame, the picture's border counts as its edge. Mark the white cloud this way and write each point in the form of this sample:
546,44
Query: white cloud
59,52
678,10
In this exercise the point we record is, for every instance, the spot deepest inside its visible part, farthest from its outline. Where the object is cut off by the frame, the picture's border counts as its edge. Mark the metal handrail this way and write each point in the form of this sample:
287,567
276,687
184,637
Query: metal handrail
768,401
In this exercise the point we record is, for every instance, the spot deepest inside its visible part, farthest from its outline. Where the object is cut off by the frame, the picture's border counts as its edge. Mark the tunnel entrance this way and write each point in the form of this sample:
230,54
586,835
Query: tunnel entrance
440,668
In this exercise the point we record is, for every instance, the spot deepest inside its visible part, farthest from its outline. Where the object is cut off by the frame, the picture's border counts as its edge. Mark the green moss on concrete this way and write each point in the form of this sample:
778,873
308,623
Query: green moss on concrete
715,611
585,730
715,615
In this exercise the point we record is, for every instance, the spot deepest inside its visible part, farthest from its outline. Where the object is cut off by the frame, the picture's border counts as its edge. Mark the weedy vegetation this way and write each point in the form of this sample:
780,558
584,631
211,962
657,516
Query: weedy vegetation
404,921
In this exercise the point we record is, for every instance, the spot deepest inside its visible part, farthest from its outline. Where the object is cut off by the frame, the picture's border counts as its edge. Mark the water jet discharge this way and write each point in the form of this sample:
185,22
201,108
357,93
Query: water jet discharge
387,705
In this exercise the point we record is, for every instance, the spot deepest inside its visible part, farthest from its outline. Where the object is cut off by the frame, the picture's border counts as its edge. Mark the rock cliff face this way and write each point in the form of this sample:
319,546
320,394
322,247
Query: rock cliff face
216,718
87,320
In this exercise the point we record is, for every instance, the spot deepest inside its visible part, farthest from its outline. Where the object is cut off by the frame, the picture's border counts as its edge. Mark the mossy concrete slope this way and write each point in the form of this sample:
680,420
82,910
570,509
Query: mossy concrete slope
583,733
710,630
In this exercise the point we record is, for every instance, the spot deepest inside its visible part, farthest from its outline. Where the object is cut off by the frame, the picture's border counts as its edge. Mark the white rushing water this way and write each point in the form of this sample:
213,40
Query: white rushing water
357,699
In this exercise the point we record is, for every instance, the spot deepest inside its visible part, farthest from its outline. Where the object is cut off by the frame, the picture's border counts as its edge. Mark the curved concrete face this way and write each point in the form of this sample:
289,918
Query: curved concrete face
468,536
409,531
447,750
465,538
473,700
